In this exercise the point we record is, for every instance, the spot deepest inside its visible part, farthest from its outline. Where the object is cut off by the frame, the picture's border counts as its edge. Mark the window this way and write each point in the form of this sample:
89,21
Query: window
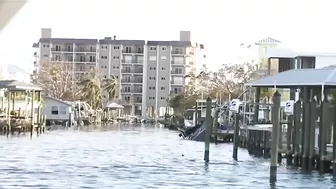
162,98
44,45
164,48
163,68
153,48
151,88
128,50
116,47
151,78
163,78
151,98
163,58
103,57
62,110
163,88
152,68
152,58
116,57
54,110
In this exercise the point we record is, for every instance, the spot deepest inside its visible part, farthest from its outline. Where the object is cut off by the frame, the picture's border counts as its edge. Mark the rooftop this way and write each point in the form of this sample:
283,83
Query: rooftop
298,77
267,40
17,85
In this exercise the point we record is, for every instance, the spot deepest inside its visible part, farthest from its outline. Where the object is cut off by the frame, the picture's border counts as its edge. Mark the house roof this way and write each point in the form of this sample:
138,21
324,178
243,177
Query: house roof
18,85
58,100
298,77
267,40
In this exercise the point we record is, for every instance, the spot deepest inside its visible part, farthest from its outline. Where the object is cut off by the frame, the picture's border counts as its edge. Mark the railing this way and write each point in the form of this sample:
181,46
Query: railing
137,101
130,81
176,83
133,51
132,61
177,52
131,71
131,91
177,62
177,73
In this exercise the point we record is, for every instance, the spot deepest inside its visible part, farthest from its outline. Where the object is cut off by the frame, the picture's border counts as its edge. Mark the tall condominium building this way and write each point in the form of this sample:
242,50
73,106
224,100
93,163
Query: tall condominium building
148,73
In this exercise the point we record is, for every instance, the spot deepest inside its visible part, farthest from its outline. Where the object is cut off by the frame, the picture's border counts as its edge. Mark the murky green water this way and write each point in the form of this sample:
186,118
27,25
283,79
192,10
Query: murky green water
134,157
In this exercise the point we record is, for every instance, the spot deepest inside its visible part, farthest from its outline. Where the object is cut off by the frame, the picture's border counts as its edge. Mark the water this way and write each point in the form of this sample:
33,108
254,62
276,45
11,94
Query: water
134,157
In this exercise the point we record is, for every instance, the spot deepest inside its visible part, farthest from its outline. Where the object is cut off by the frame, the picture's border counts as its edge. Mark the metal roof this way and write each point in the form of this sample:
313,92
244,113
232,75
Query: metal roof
17,85
298,77
267,40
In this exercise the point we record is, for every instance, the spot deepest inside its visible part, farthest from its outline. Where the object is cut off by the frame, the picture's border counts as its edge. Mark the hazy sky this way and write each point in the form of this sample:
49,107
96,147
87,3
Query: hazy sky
220,24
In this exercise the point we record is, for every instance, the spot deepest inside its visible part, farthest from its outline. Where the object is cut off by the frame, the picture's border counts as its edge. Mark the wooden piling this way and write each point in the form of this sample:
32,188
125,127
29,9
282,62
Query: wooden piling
323,131
297,133
289,152
215,124
9,127
207,129
334,141
236,137
275,136
32,113
306,129
312,120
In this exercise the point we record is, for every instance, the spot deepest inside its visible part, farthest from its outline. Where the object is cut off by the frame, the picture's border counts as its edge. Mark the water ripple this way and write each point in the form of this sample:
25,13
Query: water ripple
134,157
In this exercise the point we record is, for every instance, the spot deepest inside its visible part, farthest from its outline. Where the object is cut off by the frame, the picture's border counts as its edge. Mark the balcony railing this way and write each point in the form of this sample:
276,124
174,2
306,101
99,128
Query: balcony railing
131,81
133,51
177,73
177,52
177,82
131,91
137,101
132,61
177,62
131,71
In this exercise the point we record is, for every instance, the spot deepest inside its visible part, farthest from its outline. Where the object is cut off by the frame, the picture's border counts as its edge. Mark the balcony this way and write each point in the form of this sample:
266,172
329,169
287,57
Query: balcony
137,101
177,63
139,52
126,102
132,61
177,52
85,49
132,71
131,81
177,73
131,91
62,50
177,82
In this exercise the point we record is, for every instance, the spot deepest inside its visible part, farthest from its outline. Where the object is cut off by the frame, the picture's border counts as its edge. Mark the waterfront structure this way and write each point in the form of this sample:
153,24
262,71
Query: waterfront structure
57,110
148,73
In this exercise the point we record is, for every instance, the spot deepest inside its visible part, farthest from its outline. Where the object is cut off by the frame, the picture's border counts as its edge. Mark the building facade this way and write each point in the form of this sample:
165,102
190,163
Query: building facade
148,73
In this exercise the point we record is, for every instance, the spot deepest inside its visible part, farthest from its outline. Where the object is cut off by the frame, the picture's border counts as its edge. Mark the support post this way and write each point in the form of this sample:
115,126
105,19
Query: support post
289,154
236,137
297,135
32,113
256,106
305,128
275,136
207,130
9,127
313,116
215,124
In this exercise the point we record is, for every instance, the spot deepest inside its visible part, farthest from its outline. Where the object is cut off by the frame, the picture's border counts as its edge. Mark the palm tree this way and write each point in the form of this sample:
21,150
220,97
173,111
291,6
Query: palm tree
110,85
92,88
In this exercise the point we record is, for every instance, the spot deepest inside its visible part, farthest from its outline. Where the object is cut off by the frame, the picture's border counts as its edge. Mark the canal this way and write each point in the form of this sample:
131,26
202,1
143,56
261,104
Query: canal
132,157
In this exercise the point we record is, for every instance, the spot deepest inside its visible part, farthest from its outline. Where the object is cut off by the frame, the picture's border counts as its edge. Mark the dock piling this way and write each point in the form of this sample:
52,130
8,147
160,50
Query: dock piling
236,137
312,117
306,129
275,136
289,153
297,133
207,129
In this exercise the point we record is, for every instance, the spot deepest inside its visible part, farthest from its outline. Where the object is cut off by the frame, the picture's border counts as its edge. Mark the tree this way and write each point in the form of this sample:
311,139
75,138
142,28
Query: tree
56,79
92,88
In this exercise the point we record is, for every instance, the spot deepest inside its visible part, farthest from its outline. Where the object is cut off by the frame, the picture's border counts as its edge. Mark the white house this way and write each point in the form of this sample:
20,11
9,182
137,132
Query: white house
57,110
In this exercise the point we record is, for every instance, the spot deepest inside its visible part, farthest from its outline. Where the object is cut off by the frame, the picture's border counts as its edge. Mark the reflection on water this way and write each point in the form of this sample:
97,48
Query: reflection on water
134,156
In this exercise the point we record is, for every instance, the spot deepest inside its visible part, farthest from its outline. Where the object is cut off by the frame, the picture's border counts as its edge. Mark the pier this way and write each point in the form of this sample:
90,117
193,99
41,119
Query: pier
302,133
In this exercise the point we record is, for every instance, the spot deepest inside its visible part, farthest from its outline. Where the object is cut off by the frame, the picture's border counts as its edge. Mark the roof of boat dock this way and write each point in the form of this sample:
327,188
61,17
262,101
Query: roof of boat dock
14,85
298,77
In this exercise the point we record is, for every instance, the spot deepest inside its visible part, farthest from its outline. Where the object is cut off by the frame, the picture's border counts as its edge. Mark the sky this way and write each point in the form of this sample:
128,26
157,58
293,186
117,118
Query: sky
221,25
